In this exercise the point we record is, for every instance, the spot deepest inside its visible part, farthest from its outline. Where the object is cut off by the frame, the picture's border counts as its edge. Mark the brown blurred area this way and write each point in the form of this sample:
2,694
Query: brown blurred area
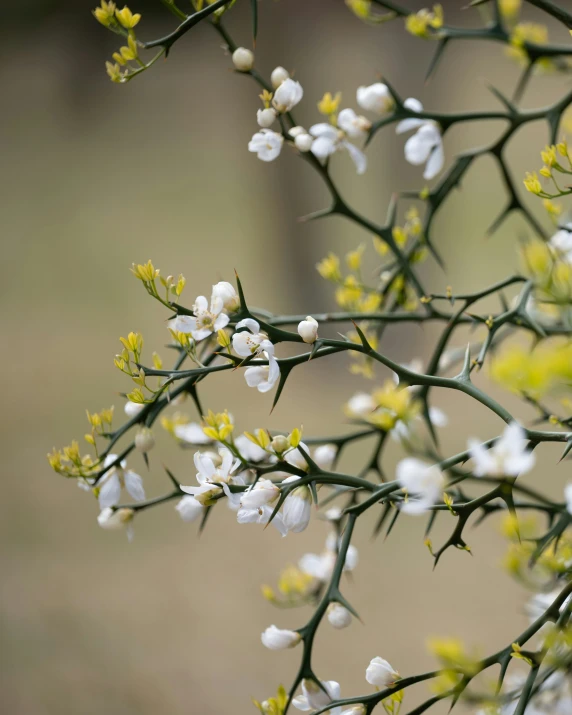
96,176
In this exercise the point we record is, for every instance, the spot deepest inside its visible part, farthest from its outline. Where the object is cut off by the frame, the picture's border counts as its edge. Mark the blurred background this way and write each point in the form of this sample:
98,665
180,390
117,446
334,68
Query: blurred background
97,176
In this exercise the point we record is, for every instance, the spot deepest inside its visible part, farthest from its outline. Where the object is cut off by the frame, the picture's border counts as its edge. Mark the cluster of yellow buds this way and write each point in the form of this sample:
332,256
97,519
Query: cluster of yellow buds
412,228
169,424
455,662
219,426
528,33
425,21
123,23
329,105
533,372
273,706
557,160
148,274
69,462
351,293
132,345
362,364
100,424
551,271
393,404
295,588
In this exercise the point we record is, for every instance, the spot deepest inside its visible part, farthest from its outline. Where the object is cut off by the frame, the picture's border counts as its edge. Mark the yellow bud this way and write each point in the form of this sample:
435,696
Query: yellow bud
295,436
545,171
223,339
532,183
353,258
127,18
329,104
157,362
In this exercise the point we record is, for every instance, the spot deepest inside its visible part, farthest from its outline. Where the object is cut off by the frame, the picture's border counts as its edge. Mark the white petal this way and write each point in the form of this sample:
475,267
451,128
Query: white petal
405,125
110,492
357,156
249,323
435,162
134,485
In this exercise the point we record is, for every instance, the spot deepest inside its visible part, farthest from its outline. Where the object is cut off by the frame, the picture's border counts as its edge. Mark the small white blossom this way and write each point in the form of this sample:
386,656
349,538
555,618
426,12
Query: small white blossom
329,139
144,440
308,329
303,142
209,476
279,75
423,482
250,341
324,456
321,566
339,616
261,515
189,509
263,377
262,493
279,639
354,126
132,409
561,242
541,602
266,117
228,294
192,433
380,673
315,698
243,59
114,480
205,321
375,98
508,456
426,145
287,95
361,404
297,508
248,450
115,519
266,144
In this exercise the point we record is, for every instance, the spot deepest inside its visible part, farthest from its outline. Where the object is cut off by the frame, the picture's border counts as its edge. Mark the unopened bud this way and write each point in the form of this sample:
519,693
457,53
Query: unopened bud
243,59
144,440
280,444
278,76
303,142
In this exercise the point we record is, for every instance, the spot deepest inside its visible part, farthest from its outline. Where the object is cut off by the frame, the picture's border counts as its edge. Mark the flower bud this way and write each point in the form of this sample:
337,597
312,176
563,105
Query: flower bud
380,673
278,76
243,59
375,98
297,508
324,456
296,131
280,444
339,616
226,291
189,509
278,639
133,408
262,493
308,329
287,96
303,142
110,518
144,440
266,117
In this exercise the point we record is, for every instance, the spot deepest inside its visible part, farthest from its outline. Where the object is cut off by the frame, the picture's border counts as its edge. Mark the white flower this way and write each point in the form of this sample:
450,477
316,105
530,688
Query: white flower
279,75
243,59
308,329
508,457
403,430
296,458
303,142
426,145
262,493
266,144
316,698
287,95
375,98
114,480
226,291
209,476
568,497
205,321
321,566
251,341
192,433
354,126
297,508
248,450
541,602
424,483
328,140
361,404
266,117
144,440
380,673
116,519
189,508
261,515
133,408
263,377
324,456
278,639
339,616
562,242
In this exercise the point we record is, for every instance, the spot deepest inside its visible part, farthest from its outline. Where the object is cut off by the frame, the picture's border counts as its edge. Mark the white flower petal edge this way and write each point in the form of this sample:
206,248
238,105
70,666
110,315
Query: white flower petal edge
278,639
426,145
380,673
508,456
423,482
